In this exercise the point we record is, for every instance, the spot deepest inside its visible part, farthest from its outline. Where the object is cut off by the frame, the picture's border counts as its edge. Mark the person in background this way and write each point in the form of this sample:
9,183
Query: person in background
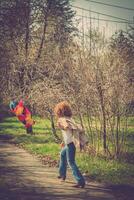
23,114
64,113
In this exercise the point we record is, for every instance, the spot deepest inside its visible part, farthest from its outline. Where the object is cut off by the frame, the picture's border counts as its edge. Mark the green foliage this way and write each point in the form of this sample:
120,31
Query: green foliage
123,42
31,30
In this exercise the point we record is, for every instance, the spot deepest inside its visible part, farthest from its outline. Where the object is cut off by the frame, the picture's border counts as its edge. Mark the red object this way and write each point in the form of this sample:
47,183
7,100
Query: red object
62,145
23,114
21,117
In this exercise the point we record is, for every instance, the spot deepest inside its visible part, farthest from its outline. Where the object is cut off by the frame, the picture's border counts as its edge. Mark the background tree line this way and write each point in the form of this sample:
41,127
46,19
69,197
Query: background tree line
43,63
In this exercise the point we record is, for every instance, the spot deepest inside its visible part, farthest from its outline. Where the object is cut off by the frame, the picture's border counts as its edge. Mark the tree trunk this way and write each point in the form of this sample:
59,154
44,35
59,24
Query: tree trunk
46,15
117,135
104,130
53,126
101,97
27,28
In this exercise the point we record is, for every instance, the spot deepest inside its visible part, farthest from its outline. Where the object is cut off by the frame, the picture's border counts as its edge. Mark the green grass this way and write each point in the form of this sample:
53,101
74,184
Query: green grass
43,144
51,149
109,171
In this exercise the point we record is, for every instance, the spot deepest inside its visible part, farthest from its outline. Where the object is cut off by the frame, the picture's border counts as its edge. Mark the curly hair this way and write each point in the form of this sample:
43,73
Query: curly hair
63,109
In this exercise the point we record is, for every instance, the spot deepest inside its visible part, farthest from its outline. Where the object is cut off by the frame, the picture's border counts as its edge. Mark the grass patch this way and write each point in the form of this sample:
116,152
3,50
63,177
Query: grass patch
43,144
110,171
51,149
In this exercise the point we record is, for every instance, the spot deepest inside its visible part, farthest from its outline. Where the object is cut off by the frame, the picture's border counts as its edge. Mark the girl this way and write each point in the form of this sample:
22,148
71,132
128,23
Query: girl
63,112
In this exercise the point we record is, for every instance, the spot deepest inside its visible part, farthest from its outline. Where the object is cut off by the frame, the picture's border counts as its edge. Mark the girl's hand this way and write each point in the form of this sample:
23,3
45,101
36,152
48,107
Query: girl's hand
62,126
62,145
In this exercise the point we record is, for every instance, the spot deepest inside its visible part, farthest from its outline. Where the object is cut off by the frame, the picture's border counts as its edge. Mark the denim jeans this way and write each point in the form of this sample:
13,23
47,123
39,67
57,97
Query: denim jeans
68,156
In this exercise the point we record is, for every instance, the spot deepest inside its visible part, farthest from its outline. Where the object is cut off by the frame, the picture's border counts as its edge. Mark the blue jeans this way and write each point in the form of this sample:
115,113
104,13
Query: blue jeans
68,156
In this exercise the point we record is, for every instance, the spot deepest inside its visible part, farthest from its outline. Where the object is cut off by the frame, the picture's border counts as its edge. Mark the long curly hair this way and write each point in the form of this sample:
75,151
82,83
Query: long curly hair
63,109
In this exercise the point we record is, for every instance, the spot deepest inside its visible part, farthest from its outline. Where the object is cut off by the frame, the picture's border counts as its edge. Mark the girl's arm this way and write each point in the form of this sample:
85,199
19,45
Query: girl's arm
62,126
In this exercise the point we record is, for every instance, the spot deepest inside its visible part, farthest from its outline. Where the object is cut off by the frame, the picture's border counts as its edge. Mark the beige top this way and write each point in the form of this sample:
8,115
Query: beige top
67,136
72,132
66,127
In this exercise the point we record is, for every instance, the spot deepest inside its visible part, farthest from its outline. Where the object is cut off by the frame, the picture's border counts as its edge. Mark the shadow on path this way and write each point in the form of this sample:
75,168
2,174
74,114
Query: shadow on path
23,177
123,192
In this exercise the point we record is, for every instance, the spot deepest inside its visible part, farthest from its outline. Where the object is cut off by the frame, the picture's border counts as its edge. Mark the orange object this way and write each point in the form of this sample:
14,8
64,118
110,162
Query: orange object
62,145
23,114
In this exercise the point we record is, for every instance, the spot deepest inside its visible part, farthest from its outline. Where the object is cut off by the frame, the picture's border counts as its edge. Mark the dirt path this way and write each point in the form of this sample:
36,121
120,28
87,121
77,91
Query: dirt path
23,177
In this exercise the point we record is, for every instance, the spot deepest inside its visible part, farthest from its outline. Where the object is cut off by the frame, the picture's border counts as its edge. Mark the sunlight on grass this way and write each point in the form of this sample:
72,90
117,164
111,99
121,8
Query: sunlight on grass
42,144
51,149
106,170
